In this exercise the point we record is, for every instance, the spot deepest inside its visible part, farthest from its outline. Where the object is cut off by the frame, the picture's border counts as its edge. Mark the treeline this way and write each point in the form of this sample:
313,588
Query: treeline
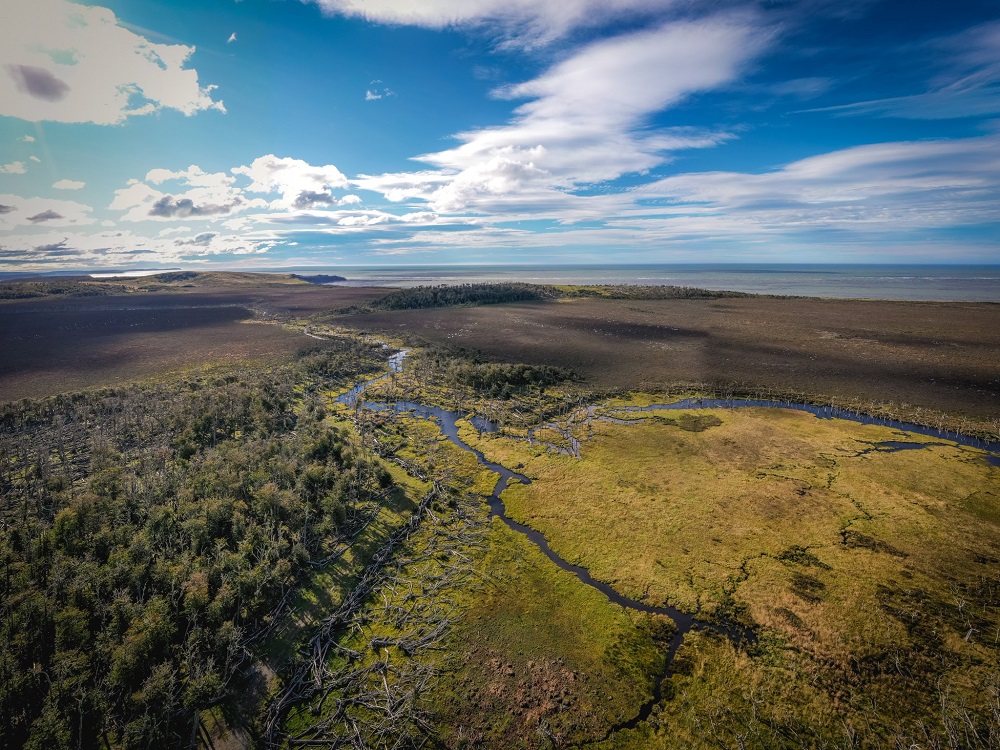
14,290
148,536
423,297
463,294
639,292
460,368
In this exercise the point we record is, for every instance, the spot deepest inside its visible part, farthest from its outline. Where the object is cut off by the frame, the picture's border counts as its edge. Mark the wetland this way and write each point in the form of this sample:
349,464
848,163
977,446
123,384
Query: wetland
376,535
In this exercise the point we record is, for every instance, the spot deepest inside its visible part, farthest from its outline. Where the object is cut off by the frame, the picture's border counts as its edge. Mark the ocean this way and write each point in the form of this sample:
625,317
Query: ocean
909,282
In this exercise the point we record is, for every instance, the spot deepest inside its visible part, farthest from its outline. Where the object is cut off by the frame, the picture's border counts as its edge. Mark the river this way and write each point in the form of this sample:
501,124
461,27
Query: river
447,420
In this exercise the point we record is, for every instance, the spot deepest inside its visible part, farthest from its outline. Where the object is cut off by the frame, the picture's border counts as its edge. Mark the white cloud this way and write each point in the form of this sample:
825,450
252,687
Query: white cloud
193,193
69,185
64,62
879,188
232,38
301,184
27,138
193,176
16,210
587,118
122,248
211,196
15,167
35,159
374,93
523,22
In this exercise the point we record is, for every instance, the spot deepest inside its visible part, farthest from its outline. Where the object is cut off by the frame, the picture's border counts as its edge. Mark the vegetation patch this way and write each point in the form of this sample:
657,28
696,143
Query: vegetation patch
865,573
420,297
153,537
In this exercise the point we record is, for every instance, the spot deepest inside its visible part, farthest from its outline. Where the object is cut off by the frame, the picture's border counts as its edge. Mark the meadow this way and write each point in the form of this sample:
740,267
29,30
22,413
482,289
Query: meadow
868,573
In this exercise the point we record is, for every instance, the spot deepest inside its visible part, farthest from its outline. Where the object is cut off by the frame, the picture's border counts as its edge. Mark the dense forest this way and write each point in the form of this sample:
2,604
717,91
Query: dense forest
463,294
422,297
627,291
150,536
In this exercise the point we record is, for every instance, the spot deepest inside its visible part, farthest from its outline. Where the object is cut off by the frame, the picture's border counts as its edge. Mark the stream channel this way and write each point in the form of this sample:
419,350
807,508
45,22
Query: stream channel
447,420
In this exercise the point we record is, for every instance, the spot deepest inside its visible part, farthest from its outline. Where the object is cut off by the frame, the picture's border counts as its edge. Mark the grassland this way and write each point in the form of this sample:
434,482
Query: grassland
870,574
472,637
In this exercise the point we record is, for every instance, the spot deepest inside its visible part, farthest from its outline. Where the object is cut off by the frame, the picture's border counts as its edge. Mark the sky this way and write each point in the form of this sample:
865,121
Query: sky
274,134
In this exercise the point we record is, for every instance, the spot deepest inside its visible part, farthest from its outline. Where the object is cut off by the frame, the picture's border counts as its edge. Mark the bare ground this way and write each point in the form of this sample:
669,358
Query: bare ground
53,345
942,356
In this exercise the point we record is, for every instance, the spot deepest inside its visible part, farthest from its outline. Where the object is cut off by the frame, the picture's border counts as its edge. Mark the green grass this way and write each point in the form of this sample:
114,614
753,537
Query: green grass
539,655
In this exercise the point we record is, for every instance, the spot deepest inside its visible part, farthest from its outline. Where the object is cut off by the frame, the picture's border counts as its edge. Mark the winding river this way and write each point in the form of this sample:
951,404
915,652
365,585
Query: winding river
448,422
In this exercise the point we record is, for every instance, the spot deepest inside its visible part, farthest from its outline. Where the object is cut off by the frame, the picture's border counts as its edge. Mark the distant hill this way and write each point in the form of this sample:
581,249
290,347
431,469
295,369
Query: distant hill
319,278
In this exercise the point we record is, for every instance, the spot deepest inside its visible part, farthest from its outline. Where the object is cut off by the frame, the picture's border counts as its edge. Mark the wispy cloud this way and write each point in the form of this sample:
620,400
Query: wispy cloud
587,118
967,83
375,92
519,22
14,167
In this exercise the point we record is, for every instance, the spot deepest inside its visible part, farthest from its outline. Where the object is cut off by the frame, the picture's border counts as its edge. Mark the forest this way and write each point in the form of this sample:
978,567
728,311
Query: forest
151,535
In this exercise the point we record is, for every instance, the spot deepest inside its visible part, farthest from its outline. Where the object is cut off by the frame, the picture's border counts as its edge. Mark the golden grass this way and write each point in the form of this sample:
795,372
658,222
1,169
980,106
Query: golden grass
870,575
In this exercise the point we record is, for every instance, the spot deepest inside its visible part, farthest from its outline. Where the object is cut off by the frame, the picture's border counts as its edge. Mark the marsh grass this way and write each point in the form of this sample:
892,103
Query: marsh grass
869,574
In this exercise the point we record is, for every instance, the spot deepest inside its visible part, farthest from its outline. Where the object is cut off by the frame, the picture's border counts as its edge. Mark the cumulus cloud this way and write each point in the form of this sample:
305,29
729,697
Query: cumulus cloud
300,183
169,207
123,248
194,176
64,62
38,82
193,193
203,240
27,138
47,215
199,195
16,167
26,211
69,185
55,248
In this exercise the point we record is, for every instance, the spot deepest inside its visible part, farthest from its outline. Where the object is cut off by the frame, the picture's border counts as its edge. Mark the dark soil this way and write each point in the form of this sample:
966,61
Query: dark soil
943,356
57,344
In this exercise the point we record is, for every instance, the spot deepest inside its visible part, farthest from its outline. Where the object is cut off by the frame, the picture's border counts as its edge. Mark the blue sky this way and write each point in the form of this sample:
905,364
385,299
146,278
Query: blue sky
279,133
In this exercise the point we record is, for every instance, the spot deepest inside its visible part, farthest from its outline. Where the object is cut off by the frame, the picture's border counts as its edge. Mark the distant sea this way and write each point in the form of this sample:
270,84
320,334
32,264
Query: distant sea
937,282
